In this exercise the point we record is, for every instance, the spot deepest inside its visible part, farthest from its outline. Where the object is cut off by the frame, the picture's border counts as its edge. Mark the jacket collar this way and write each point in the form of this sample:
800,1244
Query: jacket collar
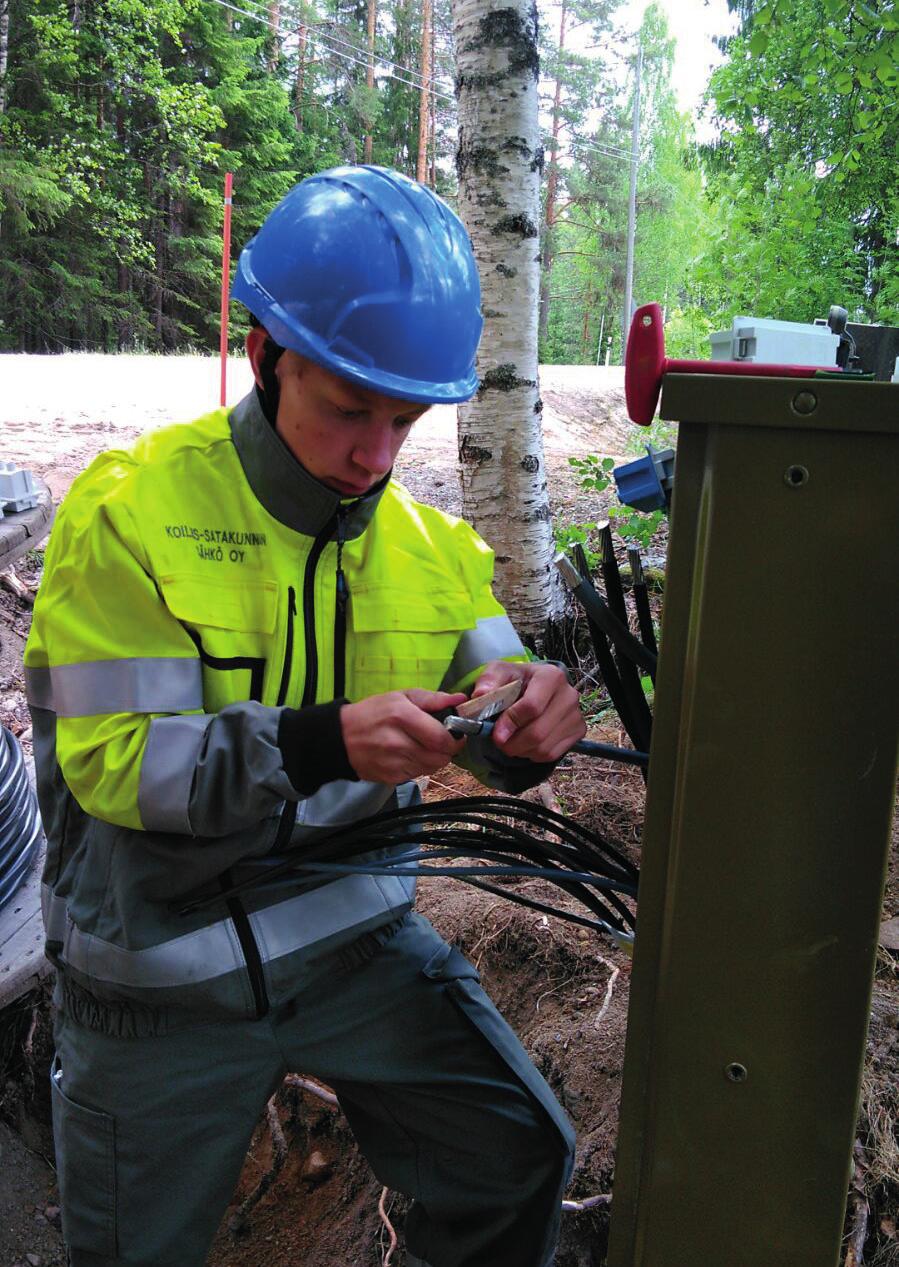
284,486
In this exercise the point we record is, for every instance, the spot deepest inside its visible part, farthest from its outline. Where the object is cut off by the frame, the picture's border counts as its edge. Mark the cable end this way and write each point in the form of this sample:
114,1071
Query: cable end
568,572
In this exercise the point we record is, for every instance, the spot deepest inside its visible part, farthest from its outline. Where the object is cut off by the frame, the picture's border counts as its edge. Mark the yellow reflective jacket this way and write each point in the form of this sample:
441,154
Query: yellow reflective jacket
194,588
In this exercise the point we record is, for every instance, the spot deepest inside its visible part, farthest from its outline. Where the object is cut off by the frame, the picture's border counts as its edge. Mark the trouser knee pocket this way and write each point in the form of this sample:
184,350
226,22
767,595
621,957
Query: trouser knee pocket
462,983
86,1170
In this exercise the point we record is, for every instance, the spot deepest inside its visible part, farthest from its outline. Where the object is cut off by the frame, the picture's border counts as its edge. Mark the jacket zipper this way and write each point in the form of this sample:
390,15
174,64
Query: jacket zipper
343,594
236,909
288,646
251,955
289,813
318,545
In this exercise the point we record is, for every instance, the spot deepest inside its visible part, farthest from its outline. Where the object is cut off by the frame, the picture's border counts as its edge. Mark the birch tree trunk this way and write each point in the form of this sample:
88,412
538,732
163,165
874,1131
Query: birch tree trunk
4,51
499,161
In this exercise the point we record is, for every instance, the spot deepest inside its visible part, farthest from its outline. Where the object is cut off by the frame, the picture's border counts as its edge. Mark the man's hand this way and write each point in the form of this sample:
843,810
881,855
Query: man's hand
545,722
391,738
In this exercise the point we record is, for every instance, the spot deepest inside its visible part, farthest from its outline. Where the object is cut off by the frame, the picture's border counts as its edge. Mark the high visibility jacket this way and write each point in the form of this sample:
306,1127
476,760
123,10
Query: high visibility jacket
194,588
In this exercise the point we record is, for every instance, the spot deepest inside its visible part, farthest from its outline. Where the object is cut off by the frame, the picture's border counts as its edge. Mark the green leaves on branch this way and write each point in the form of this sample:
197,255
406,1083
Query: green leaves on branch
595,476
854,44
805,169
120,118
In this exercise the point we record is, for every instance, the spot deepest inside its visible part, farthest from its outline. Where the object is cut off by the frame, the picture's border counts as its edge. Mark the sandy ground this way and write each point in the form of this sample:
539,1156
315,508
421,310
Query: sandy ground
57,412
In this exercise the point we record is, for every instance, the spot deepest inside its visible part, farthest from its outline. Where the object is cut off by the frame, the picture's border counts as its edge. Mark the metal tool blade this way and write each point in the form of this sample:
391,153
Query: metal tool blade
482,708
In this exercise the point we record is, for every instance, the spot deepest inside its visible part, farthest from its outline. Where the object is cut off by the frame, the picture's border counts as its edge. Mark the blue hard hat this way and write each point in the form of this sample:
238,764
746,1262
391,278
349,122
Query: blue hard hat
369,274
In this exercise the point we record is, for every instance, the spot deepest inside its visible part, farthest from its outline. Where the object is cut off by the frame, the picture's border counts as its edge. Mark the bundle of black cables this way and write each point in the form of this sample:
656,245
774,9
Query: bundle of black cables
20,823
497,835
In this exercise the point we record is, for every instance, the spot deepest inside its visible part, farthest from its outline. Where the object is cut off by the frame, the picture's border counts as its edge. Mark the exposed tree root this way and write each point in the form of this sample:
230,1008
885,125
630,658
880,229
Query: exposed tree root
386,1255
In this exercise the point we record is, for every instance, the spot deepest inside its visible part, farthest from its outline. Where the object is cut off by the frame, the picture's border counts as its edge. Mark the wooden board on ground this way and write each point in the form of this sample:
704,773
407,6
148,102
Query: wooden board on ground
22,962
21,531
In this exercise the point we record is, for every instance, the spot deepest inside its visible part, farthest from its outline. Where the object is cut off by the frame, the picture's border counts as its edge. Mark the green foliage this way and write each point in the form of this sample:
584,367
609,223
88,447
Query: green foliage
594,472
595,476
631,525
118,121
844,48
803,180
567,536
794,207
585,253
635,525
660,434
119,118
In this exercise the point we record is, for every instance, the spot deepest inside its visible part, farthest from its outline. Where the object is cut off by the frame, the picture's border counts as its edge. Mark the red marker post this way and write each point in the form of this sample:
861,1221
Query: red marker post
226,286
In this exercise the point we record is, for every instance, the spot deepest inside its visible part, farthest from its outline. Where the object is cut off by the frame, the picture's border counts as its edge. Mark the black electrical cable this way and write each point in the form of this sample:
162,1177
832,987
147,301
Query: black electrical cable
630,677
410,867
626,756
579,862
641,602
468,809
471,811
20,824
592,747
618,928
563,875
600,926
619,634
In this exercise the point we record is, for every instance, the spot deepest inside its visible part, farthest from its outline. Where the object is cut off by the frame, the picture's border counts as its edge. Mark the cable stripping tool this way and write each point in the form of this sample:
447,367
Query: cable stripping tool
471,717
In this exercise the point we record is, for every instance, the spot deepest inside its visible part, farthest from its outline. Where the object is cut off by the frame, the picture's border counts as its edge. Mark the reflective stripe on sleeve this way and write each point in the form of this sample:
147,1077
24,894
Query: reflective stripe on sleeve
165,684
493,638
339,803
167,772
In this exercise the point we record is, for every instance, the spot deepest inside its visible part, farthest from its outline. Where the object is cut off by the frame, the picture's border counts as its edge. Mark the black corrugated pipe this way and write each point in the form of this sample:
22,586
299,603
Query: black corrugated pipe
20,823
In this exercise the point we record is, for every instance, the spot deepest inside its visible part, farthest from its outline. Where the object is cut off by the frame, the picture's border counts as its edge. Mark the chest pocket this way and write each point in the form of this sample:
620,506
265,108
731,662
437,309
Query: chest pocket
233,627
401,639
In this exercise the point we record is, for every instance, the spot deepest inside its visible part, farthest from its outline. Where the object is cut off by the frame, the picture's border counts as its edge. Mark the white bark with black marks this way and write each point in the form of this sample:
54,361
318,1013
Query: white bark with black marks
4,51
499,161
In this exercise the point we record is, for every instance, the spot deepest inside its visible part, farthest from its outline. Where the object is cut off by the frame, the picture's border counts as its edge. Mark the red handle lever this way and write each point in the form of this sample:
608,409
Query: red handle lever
646,363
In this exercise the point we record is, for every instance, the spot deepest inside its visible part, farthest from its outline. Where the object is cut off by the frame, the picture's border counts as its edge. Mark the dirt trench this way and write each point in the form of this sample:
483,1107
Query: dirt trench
563,989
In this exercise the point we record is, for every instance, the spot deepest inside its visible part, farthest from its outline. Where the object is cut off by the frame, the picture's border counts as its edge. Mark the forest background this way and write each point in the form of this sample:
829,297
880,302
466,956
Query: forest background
119,118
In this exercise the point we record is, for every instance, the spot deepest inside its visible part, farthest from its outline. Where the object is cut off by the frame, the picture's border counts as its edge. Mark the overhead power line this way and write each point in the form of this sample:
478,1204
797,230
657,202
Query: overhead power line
325,42
607,145
412,83
354,48
430,79
328,42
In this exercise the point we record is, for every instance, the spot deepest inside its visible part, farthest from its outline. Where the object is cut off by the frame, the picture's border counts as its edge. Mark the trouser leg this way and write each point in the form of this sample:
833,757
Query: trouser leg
443,1099
151,1134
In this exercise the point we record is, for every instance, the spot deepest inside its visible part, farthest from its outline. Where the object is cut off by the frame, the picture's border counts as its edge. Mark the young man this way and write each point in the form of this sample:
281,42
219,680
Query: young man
243,631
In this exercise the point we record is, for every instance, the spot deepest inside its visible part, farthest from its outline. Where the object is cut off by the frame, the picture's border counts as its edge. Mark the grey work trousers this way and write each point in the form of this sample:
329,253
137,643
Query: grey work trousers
151,1132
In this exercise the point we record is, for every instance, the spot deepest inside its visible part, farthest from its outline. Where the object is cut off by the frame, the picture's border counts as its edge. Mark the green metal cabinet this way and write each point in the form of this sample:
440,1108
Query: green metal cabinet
772,777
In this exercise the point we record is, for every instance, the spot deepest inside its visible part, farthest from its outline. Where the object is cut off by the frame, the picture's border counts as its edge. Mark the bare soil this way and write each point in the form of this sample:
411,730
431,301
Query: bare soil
563,989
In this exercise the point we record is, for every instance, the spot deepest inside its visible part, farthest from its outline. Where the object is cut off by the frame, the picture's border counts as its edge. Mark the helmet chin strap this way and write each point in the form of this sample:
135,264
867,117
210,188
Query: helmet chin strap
270,391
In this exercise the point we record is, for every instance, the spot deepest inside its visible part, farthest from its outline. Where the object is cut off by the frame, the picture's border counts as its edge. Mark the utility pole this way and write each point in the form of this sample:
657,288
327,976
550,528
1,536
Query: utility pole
602,326
632,206
370,75
424,99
